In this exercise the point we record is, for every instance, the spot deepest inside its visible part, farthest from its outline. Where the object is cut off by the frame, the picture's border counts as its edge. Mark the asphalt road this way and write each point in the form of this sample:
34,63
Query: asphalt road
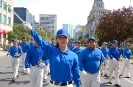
23,80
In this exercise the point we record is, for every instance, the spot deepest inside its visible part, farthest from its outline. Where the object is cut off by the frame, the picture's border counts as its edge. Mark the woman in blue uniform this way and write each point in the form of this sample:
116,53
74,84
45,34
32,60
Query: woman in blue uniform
63,63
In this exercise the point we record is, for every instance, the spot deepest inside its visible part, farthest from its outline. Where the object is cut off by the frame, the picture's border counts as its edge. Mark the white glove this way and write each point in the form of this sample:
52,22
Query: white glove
27,26
8,56
83,73
41,64
126,58
114,59
28,71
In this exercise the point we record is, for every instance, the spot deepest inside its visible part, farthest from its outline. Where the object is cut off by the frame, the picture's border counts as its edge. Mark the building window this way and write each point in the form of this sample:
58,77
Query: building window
0,3
4,6
9,21
4,19
0,17
9,10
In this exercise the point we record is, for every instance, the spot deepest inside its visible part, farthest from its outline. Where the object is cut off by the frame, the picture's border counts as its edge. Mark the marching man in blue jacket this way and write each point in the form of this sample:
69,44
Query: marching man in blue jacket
35,58
127,60
77,50
64,66
105,51
15,52
25,46
90,59
114,53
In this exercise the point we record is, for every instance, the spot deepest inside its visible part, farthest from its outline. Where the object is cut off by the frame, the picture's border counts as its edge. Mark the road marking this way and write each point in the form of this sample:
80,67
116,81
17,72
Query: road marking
128,80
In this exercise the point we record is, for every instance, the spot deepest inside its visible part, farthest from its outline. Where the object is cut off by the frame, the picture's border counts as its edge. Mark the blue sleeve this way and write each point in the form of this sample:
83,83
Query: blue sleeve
45,47
110,54
81,60
8,53
103,59
20,51
76,72
45,58
124,53
28,58
28,46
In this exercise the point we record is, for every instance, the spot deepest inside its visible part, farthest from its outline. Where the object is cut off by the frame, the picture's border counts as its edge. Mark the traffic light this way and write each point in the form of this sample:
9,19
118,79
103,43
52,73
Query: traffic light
83,29
41,29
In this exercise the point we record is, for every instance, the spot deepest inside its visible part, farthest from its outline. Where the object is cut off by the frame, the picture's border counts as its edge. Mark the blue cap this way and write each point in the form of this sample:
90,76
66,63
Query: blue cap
115,42
128,44
24,37
15,40
105,43
62,32
78,42
90,38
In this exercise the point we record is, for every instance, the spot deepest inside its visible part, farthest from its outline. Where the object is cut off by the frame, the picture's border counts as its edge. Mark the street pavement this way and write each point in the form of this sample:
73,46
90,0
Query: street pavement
23,80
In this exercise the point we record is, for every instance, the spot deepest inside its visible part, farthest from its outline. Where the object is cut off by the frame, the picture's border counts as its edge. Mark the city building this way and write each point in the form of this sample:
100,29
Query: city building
36,25
6,19
23,13
92,20
69,28
48,22
77,32
30,19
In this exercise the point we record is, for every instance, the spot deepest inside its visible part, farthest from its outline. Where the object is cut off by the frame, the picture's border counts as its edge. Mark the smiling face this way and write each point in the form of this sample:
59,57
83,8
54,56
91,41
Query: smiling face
62,40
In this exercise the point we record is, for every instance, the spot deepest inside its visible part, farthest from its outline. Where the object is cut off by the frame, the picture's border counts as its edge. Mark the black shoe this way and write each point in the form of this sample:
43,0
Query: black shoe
127,77
120,75
109,82
13,79
105,75
117,85
101,74
17,76
45,80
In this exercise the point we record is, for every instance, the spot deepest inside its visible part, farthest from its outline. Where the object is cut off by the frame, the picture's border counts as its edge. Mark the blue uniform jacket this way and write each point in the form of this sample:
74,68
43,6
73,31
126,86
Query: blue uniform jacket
127,53
31,44
34,55
53,44
13,50
105,52
114,53
63,65
25,46
77,50
89,60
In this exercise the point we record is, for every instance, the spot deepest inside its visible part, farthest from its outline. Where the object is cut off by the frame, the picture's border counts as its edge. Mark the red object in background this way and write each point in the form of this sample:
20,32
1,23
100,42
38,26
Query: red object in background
1,31
76,32
4,32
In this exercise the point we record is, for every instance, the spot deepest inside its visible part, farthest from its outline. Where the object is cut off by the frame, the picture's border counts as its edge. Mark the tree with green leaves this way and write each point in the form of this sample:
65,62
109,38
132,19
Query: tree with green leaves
19,31
117,24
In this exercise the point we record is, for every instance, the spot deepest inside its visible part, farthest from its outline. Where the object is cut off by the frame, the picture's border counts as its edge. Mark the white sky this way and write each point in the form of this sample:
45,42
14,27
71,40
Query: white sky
68,11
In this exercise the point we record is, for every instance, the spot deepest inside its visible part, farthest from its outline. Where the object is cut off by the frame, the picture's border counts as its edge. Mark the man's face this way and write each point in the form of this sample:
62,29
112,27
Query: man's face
15,43
78,45
105,45
91,44
115,45
24,40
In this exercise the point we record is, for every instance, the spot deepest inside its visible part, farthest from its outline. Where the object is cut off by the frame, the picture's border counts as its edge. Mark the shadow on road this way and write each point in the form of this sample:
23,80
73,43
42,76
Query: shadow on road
19,82
6,72
106,85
